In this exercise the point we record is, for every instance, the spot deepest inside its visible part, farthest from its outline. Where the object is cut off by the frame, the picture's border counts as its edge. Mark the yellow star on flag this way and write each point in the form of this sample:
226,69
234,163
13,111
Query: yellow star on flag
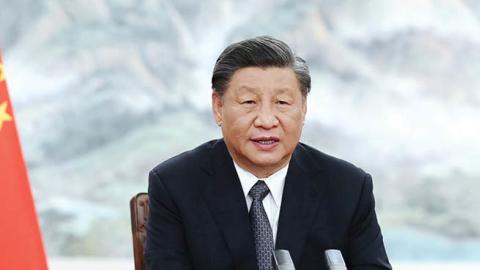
4,116
2,73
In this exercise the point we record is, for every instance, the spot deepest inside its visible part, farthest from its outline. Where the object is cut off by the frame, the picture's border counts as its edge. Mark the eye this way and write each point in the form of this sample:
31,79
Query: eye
282,102
248,102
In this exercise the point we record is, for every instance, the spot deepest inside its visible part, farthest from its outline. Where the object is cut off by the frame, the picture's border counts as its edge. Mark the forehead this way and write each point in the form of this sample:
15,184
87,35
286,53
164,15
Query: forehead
258,80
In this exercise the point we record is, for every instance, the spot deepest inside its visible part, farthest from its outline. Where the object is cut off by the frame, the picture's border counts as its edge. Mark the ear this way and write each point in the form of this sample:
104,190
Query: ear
304,109
217,106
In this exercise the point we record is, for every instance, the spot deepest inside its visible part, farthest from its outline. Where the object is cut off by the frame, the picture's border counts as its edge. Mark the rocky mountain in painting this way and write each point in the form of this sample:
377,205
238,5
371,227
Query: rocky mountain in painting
104,90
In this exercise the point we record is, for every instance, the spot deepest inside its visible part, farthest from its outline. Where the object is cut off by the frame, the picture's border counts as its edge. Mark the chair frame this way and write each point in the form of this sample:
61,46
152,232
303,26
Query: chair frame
139,218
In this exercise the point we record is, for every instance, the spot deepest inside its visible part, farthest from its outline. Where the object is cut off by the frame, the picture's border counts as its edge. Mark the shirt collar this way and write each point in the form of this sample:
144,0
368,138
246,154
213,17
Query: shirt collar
275,182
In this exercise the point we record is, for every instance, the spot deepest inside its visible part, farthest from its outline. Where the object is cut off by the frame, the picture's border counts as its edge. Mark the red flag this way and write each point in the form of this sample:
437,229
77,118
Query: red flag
21,246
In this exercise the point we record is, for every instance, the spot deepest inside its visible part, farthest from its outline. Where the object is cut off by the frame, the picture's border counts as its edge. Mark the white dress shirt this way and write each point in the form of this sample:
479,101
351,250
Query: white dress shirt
273,201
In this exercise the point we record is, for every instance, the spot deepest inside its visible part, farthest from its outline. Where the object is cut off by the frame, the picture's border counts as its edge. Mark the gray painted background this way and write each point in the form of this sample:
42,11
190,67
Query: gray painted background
104,90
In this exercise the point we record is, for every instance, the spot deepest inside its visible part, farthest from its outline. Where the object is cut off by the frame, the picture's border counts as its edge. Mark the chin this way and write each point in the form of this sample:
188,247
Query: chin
268,162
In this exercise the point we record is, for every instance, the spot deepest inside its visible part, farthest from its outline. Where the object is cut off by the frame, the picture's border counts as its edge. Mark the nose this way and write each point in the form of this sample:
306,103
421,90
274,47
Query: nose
266,118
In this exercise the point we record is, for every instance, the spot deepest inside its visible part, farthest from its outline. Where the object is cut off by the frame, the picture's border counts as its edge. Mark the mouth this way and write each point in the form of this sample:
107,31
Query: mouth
270,140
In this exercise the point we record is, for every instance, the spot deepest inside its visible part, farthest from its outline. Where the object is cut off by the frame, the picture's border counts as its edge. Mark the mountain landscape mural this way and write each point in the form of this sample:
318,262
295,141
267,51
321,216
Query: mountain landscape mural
105,90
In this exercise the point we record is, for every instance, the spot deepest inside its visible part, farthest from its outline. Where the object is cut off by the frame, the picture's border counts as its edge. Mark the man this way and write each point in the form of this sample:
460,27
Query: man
229,203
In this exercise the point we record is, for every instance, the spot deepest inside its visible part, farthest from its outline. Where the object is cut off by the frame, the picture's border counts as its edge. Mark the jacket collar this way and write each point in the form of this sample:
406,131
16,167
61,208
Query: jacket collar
224,195
301,203
226,201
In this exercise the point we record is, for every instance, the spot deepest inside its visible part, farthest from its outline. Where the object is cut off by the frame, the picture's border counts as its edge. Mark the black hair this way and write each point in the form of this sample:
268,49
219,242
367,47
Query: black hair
263,51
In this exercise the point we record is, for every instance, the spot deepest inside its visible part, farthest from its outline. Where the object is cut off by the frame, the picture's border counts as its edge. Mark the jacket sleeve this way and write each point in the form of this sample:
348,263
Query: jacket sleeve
366,250
166,246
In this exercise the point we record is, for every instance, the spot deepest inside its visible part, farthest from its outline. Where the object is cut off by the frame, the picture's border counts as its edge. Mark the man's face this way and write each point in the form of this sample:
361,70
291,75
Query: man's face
261,114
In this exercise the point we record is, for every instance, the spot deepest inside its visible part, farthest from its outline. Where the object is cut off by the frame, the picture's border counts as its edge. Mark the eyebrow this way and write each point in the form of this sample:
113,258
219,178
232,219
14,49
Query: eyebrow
256,91
249,89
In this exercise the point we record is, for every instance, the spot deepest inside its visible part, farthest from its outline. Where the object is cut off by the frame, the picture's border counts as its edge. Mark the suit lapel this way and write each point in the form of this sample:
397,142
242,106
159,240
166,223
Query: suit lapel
226,201
300,204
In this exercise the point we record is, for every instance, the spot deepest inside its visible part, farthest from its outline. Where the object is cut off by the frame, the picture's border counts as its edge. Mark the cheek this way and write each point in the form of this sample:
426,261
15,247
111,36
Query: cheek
293,125
240,121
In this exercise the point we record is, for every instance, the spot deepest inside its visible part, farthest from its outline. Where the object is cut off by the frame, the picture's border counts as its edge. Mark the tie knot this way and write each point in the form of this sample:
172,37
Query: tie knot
259,190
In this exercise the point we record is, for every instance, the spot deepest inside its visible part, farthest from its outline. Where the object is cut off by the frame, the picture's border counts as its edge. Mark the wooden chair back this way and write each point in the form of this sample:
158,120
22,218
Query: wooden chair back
139,218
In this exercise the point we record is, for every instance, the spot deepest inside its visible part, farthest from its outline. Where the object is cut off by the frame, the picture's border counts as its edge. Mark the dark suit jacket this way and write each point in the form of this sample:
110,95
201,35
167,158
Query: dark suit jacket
199,218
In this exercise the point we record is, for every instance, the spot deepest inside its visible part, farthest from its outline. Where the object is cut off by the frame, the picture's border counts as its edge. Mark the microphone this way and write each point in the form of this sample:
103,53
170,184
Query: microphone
335,260
282,260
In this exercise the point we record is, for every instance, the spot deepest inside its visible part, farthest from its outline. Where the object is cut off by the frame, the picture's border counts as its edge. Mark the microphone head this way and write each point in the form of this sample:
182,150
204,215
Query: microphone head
335,260
282,260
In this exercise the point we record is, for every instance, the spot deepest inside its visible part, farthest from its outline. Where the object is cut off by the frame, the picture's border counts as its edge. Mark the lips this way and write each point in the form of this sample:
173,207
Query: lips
266,139
265,142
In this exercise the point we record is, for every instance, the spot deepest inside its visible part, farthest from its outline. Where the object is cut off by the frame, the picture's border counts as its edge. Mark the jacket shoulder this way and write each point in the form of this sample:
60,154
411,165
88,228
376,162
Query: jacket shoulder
185,163
322,161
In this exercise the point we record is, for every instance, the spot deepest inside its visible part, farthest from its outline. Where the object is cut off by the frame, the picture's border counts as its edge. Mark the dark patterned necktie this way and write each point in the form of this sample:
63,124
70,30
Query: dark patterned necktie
262,231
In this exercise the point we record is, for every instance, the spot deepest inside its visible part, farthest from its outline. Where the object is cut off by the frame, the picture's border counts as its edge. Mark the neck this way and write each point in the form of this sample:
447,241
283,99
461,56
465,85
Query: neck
262,171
